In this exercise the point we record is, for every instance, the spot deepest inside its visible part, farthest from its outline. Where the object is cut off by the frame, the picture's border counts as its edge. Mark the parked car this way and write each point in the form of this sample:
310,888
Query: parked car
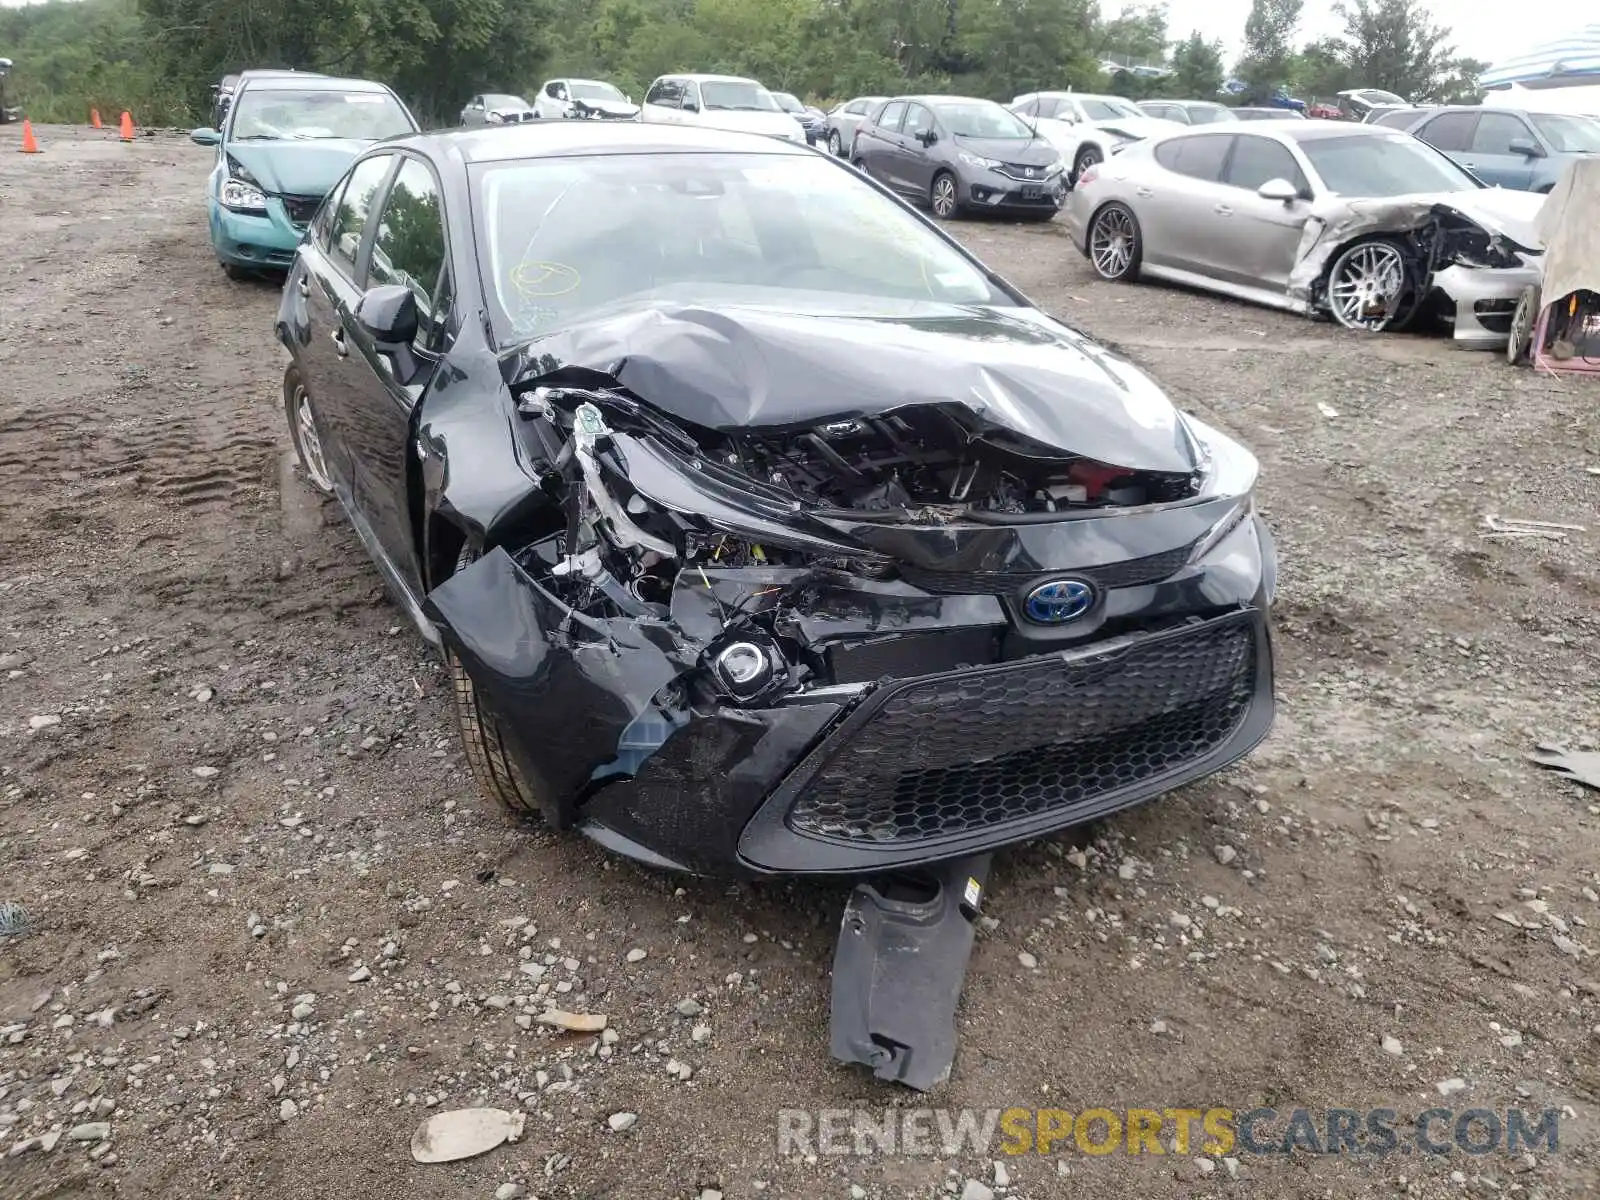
844,119
718,102
1227,210
1321,110
959,154
812,120
1087,129
1396,118
285,141
8,113
1252,113
589,99
497,108
1510,148
1188,112
985,583
1357,104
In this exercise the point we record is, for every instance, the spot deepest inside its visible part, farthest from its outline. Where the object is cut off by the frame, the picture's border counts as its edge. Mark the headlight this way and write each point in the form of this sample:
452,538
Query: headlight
493,118
977,160
1054,169
240,196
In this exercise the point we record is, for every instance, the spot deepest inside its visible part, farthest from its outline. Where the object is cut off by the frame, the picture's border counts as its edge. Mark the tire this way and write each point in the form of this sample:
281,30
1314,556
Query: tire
1088,156
943,196
1526,316
835,146
304,430
237,273
1370,273
1122,243
493,768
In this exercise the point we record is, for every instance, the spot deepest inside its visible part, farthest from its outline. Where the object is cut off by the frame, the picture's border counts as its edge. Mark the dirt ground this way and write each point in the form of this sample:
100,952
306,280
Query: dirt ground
255,871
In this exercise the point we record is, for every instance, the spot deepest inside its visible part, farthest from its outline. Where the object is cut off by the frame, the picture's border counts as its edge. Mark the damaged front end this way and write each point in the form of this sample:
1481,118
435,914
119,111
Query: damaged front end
794,636
1374,265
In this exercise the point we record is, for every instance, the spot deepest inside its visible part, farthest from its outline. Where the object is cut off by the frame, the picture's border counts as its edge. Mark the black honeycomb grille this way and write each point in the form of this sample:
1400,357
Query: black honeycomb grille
1133,572
968,750
301,208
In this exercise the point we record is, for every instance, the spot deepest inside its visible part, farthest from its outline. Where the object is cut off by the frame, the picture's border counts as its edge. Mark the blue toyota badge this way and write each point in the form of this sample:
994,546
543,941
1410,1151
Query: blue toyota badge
1058,602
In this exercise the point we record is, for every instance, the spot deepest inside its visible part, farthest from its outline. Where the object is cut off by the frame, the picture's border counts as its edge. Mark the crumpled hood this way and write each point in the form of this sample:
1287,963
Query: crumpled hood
1500,210
748,367
611,108
297,168
1035,152
1137,127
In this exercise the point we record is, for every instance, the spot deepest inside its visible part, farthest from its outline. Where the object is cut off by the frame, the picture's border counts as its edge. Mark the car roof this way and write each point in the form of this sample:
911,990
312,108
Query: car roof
331,83
1075,96
710,78
572,139
1202,103
1318,131
942,99
1515,112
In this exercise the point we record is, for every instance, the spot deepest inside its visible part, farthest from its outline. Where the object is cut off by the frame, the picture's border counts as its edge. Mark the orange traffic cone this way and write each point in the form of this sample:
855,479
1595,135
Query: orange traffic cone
127,126
29,144
94,119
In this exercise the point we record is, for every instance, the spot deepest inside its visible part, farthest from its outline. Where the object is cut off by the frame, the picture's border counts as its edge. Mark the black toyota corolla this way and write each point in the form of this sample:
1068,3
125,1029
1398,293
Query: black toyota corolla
762,528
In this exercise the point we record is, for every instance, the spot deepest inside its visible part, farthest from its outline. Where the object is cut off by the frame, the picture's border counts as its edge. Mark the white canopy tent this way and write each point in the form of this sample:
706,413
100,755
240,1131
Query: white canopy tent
1576,99
1572,59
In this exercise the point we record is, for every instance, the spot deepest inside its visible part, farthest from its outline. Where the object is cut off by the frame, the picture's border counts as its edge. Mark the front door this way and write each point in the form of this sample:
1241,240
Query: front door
1258,238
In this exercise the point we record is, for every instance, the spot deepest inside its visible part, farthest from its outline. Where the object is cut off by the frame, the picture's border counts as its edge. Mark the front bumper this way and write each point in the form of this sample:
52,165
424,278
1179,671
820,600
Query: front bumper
944,731
1483,300
992,191
255,239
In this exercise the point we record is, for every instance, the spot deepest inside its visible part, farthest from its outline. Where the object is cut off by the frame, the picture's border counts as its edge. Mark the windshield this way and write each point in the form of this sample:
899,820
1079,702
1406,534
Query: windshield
1380,167
1374,96
583,89
564,239
1570,135
280,114
789,104
1205,114
737,94
983,119
505,102
1106,110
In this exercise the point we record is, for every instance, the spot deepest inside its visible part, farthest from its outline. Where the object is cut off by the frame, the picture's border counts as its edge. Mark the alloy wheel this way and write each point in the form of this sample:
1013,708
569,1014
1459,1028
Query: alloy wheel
310,442
1366,287
944,197
1111,243
835,146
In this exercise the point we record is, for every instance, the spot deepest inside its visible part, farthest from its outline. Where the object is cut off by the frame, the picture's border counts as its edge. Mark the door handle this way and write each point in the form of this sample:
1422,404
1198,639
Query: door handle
1223,210
339,344
1143,192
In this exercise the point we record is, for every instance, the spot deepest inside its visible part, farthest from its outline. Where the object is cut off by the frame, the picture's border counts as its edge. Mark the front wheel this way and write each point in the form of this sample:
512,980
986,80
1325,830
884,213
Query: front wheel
835,146
1371,287
237,273
1520,342
482,742
1115,245
1088,157
304,430
943,196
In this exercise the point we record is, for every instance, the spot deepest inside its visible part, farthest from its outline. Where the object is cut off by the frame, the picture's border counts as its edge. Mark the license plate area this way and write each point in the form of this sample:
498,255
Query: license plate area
1032,191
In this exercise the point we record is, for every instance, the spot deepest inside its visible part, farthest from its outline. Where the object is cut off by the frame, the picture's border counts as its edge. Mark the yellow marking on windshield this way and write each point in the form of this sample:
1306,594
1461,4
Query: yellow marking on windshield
544,279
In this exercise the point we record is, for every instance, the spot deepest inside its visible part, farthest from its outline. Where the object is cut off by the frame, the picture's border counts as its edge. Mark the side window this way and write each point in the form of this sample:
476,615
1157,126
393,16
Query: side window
1196,157
1450,132
553,89
1398,119
1257,159
663,92
918,119
1496,132
408,247
322,223
689,95
355,205
889,118
1028,108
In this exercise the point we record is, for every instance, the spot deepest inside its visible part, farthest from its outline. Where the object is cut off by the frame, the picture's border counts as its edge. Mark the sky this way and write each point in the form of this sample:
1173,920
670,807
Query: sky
1479,29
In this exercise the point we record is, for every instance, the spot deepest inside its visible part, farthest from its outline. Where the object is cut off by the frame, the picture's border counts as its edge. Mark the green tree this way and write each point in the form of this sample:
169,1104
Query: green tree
1321,70
1268,33
1137,36
1395,45
1196,67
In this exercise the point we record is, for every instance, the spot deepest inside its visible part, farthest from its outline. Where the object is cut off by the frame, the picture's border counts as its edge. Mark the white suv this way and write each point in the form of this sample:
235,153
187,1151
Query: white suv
719,102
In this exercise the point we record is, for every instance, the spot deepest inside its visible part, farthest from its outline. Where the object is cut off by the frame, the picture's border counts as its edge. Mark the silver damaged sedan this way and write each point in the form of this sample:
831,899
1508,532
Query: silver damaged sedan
1363,223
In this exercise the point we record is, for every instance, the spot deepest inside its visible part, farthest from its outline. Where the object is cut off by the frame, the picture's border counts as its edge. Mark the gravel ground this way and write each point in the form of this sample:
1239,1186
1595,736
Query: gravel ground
270,925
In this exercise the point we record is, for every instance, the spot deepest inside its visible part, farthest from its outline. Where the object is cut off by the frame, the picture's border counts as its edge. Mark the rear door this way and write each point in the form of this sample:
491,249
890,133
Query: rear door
331,290
405,247
917,162
1490,156
1450,133
878,143
1257,238
1177,204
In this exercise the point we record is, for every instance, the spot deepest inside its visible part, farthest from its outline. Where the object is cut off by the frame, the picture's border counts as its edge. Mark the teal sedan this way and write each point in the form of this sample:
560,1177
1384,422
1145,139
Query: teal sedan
286,141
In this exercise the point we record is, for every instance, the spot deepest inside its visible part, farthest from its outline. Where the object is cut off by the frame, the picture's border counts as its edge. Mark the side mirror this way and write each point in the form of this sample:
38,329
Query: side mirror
1278,189
1526,148
205,136
690,106
388,315
928,137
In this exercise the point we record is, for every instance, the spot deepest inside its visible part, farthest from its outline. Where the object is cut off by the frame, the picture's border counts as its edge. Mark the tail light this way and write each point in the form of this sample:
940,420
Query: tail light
1088,175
